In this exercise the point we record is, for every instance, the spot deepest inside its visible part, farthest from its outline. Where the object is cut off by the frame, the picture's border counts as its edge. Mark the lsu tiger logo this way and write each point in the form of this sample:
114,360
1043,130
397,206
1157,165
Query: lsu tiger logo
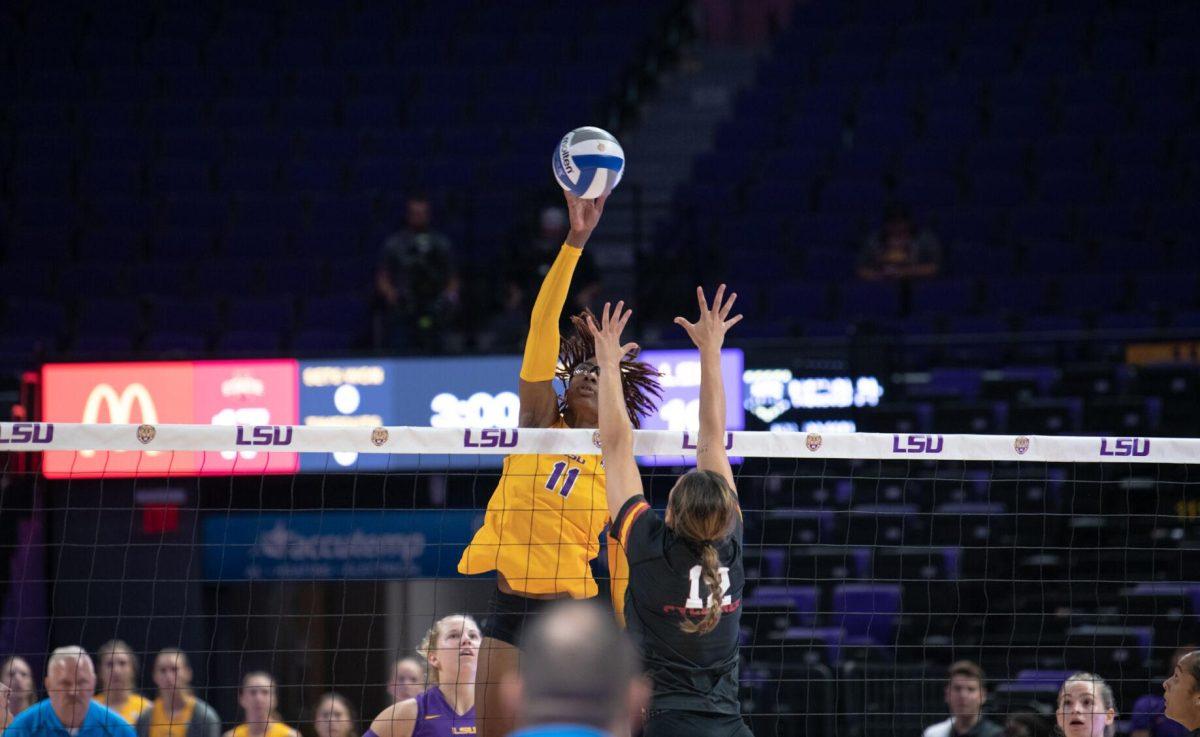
379,436
146,433
813,441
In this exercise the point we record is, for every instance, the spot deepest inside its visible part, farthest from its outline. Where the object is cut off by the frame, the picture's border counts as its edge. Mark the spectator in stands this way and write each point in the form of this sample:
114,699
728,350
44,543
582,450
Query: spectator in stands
258,697
900,249
408,679
334,717
579,674
418,287
526,261
1027,724
69,708
118,676
506,329
176,704
966,691
1086,707
18,676
1181,692
1147,718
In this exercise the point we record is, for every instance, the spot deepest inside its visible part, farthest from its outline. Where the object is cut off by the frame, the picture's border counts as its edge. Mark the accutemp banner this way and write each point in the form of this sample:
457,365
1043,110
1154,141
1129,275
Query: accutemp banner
336,545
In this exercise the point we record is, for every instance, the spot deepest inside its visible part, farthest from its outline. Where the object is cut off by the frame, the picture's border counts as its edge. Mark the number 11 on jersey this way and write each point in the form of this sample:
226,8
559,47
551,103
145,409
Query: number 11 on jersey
556,473
693,600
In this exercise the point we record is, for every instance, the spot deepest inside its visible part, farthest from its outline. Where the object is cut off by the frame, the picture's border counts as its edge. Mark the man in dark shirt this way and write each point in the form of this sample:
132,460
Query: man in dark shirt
417,285
965,695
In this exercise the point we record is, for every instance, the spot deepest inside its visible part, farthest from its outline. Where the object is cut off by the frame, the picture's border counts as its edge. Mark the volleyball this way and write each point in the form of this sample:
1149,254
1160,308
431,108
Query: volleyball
589,162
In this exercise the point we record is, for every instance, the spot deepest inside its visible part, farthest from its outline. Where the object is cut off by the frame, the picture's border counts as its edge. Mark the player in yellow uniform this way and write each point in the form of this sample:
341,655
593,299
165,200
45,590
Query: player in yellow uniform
544,520
258,700
117,671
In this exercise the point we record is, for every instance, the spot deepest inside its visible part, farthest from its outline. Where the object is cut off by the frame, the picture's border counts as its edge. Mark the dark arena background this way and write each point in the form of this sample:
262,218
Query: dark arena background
945,219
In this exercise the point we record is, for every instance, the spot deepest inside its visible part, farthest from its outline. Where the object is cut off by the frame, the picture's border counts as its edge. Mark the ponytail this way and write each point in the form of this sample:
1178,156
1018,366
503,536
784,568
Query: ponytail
710,572
702,511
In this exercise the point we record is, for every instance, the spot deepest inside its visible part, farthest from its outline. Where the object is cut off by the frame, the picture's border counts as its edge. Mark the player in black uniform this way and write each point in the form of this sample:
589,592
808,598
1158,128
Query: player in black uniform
685,571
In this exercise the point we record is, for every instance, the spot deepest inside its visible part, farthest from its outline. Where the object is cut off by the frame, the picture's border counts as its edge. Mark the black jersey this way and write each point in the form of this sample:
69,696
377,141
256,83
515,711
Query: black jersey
690,671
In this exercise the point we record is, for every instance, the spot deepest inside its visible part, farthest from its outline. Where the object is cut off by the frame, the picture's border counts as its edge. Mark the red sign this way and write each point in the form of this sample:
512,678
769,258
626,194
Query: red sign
194,392
247,393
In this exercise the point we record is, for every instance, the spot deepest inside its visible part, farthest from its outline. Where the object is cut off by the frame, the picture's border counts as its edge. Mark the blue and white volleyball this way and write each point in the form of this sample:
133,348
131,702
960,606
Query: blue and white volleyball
589,162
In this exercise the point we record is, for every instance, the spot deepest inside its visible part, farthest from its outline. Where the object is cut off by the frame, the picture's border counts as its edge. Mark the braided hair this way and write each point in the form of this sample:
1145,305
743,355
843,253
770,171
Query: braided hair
639,380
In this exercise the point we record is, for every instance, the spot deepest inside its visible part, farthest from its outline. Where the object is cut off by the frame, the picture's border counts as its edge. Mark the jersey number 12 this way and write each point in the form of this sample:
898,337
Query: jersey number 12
693,601
557,473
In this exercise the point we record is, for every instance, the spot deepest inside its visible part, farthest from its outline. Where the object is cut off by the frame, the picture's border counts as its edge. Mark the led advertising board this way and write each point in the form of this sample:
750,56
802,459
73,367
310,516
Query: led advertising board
425,392
191,392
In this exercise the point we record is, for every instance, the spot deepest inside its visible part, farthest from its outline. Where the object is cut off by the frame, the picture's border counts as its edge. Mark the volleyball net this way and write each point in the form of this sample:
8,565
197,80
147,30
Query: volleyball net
322,553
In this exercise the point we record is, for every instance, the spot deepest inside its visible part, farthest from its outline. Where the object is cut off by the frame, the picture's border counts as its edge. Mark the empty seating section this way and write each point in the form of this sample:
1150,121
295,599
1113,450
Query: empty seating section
163,152
1033,570
1034,138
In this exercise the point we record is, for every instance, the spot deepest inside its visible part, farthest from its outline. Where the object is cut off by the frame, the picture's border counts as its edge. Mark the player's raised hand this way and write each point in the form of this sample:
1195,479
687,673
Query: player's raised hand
709,329
607,335
584,215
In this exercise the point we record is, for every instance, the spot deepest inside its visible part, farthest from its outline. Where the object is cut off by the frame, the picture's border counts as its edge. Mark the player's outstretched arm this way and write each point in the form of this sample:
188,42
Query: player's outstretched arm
616,431
539,401
708,333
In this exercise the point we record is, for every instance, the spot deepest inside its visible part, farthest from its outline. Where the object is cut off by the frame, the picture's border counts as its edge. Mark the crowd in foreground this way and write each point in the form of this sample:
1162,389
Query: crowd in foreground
579,676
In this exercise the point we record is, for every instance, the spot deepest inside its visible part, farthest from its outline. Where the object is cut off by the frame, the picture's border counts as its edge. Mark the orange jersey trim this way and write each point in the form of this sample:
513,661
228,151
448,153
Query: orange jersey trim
638,510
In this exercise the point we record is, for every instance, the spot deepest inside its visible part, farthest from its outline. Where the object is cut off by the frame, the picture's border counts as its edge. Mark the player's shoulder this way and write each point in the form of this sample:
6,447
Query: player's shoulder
941,729
391,720
140,702
634,508
637,527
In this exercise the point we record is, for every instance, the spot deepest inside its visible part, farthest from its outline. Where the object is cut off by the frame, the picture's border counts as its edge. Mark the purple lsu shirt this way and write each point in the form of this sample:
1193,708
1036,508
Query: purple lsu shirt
435,718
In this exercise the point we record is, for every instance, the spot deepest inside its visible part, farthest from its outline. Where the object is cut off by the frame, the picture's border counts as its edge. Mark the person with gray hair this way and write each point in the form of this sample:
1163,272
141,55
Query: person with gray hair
69,711
579,675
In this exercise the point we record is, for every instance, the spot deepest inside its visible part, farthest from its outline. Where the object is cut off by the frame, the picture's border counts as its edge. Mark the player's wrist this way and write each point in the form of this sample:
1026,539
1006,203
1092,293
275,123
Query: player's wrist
578,238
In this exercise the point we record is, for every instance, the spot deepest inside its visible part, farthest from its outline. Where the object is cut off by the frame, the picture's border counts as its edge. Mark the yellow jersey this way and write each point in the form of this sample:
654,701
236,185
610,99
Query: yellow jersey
175,726
274,729
543,524
133,708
